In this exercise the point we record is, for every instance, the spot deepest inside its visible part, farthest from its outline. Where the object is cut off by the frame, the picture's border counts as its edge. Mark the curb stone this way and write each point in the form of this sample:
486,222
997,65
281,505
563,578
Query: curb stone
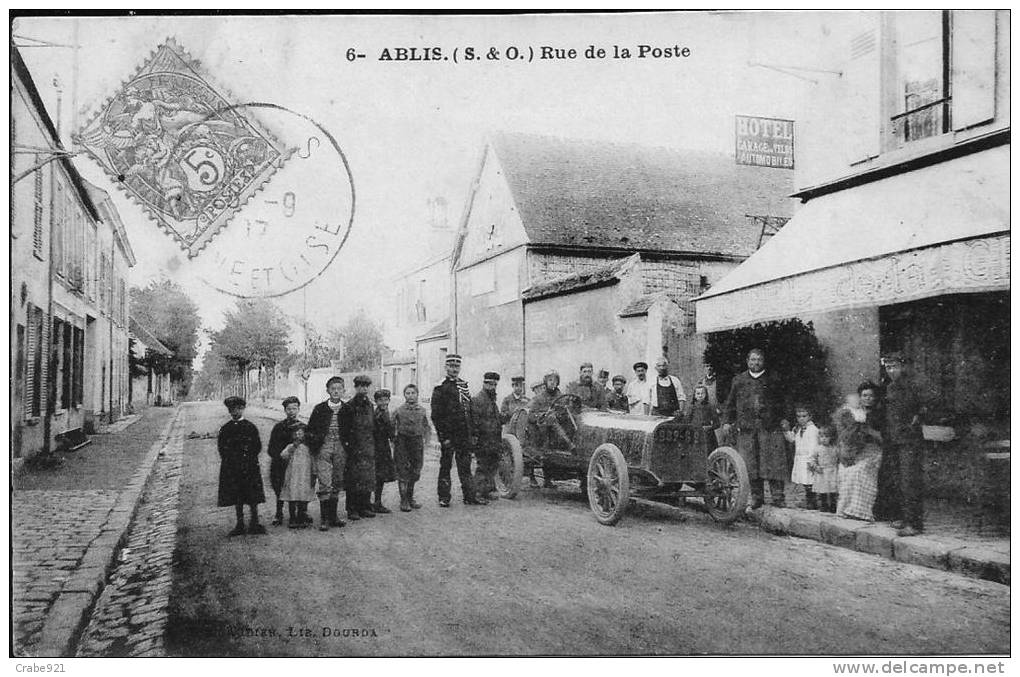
936,552
70,610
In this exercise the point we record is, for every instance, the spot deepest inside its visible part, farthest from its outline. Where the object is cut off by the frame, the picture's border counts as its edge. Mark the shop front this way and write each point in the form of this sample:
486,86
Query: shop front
917,263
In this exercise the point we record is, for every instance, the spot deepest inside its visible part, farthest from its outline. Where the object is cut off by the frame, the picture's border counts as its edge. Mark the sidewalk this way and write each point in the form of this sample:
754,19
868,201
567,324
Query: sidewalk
954,539
66,525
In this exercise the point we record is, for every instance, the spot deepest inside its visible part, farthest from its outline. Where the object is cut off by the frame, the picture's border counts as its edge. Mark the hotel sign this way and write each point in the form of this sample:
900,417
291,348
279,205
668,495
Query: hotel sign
764,142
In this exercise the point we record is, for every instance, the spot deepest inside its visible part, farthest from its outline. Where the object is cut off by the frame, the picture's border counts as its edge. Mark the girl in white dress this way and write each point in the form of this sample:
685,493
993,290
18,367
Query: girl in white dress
805,441
299,481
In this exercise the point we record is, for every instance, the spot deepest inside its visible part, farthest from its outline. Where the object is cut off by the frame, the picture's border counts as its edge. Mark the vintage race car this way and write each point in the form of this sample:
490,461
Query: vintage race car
618,456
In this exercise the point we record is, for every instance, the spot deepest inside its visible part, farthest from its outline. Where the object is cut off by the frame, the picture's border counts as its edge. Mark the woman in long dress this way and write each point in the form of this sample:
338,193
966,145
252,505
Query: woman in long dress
860,455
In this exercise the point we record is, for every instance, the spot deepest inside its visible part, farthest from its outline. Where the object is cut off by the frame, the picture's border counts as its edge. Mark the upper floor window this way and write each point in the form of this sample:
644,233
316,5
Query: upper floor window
921,85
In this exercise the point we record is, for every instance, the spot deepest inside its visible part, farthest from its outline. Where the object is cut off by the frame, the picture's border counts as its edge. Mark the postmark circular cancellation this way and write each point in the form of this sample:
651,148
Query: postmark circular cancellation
260,198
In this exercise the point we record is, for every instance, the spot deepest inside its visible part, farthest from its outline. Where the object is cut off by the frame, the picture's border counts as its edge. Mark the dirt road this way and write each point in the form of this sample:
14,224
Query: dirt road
538,576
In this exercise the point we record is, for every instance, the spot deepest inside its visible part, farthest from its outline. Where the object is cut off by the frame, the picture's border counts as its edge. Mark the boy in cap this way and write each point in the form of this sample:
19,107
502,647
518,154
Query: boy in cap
279,438
486,435
328,452
451,416
515,400
384,435
240,481
617,399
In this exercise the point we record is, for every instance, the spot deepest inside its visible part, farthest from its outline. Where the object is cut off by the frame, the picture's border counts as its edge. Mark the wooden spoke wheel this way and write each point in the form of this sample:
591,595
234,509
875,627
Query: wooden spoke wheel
727,486
510,469
608,484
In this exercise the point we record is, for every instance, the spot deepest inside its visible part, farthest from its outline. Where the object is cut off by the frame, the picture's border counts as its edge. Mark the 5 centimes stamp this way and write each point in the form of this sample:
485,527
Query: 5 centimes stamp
178,147
294,227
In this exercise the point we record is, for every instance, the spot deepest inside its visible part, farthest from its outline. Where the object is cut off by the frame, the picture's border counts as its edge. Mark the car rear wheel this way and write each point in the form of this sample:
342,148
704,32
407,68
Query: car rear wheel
727,486
608,484
510,470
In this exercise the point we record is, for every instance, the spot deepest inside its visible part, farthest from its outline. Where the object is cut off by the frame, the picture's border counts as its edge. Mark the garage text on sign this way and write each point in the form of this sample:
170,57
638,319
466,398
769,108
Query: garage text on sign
764,142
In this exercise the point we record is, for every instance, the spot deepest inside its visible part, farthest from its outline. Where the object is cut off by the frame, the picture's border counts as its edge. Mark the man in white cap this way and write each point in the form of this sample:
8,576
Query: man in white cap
451,415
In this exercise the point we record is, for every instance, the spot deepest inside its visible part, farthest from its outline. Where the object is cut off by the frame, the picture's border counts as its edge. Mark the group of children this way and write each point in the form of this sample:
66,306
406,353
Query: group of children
815,460
399,443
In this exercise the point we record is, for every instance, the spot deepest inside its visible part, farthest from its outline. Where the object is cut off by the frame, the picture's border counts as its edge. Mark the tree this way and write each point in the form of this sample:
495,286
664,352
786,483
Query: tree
362,342
165,310
794,357
254,335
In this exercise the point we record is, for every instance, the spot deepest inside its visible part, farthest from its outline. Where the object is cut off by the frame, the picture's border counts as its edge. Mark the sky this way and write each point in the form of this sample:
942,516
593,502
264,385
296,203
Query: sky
415,130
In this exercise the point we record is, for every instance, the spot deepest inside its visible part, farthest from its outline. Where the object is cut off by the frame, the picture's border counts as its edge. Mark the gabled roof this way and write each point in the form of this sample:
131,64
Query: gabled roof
641,304
109,213
602,276
145,336
25,76
438,330
597,194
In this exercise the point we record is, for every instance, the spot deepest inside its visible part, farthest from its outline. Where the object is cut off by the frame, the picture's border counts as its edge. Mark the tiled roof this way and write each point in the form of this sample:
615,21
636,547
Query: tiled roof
146,337
438,330
609,273
640,305
601,194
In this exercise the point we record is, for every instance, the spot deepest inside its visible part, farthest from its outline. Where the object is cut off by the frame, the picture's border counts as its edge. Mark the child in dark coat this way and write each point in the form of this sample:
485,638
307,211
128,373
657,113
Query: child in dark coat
384,471
240,475
279,438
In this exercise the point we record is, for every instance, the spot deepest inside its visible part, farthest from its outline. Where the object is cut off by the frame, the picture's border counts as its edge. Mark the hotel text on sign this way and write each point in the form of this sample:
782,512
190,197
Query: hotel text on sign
764,142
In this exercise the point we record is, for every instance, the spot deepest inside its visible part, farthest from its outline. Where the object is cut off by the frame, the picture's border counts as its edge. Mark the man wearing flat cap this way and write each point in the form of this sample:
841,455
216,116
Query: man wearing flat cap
590,392
451,416
357,432
901,475
514,402
487,436
639,393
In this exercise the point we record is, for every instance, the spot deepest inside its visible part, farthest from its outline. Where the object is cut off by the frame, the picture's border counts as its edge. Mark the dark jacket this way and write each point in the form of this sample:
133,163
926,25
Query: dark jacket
279,438
592,394
318,425
240,481
451,417
486,424
902,404
754,404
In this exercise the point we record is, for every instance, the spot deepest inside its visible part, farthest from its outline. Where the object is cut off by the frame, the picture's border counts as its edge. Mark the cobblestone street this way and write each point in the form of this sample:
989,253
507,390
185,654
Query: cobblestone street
53,531
130,616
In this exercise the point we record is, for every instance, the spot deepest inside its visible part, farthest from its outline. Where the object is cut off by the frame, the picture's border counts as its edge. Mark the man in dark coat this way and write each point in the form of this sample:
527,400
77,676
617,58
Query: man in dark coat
357,430
754,407
328,453
278,439
486,436
901,477
512,403
240,480
451,416
592,393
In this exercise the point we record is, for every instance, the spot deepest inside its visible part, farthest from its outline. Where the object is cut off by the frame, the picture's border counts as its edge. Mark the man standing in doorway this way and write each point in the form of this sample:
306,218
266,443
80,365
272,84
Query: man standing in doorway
451,416
667,396
902,458
638,394
754,406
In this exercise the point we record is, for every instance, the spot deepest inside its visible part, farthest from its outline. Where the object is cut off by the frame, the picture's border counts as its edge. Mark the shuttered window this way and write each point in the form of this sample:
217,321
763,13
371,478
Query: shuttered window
36,364
973,67
37,224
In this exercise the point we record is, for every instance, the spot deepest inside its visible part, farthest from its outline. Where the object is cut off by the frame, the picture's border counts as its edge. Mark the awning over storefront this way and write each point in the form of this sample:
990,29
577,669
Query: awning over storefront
937,230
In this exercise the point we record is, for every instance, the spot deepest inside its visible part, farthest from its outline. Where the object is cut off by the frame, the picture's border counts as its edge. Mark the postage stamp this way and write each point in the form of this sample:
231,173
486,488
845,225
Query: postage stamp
178,147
